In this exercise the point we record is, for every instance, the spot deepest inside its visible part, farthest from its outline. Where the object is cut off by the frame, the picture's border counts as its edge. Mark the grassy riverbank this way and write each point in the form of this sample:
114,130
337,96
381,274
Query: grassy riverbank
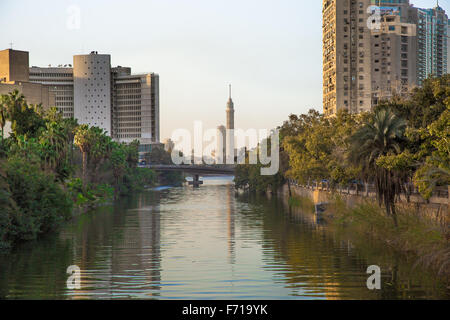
416,237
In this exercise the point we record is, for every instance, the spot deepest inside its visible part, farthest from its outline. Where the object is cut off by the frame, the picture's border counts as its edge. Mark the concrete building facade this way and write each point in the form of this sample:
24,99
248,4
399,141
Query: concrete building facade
14,66
374,49
92,90
135,106
14,75
59,81
393,53
123,104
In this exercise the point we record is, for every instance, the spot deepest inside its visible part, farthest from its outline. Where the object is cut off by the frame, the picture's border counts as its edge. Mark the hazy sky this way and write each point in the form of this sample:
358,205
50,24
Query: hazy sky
271,51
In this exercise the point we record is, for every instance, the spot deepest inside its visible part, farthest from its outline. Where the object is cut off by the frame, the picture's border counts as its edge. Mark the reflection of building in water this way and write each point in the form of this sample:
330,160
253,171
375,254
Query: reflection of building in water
137,257
231,211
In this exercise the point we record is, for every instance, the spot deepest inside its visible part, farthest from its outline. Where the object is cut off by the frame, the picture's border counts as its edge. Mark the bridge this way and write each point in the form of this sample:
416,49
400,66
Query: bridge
195,170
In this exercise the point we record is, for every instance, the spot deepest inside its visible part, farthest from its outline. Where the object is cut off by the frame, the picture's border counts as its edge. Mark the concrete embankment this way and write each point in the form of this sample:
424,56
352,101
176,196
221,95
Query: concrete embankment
437,208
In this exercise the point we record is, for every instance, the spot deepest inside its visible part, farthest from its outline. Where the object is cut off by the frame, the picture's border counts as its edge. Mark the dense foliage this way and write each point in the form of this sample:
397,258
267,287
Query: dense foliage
403,142
48,165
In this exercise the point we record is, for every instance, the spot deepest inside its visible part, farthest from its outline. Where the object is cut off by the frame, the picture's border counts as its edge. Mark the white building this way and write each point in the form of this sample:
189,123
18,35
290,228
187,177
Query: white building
126,106
92,90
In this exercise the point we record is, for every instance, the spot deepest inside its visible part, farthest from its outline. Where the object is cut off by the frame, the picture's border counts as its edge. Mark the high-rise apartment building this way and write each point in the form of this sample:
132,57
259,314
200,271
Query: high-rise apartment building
448,46
374,49
124,105
393,57
432,46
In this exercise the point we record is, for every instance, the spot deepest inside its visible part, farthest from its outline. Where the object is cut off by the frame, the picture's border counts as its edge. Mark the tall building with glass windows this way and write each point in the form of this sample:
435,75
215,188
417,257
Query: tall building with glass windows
432,42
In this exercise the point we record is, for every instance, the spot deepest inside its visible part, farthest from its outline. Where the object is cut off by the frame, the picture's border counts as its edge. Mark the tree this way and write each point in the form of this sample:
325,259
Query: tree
25,119
4,114
434,169
84,140
132,154
100,149
54,144
158,156
70,125
119,164
380,136
317,146
426,103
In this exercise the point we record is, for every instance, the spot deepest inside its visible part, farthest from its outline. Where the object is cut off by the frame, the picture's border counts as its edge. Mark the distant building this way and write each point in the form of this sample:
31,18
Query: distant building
14,75
448,47
124,105
220,152
362,65
366,61
225,136
169,145
432,38
59,81
229,146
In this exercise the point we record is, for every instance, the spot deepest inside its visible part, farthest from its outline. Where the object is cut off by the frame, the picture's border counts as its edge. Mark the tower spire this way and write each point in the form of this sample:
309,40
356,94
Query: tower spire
230,91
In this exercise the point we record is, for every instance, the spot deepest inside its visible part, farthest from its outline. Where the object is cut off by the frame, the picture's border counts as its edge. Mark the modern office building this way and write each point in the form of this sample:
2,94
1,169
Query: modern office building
366,59
92,90
135,100
124,105
59,81
432,46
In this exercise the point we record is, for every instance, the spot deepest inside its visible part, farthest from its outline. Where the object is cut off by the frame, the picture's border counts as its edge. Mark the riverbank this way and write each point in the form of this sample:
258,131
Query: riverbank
422,232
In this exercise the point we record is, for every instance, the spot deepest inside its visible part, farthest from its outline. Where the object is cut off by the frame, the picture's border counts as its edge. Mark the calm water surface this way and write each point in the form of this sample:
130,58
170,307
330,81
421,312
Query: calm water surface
206,243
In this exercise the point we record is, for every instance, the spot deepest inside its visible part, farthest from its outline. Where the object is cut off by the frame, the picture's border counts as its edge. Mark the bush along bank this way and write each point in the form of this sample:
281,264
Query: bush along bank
399,146
50,166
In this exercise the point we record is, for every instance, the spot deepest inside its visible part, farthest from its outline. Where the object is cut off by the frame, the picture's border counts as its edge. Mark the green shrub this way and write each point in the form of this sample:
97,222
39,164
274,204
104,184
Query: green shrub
41,203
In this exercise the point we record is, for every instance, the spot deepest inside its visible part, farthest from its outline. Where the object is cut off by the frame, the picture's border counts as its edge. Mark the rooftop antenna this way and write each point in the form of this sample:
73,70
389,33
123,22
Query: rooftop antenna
11,45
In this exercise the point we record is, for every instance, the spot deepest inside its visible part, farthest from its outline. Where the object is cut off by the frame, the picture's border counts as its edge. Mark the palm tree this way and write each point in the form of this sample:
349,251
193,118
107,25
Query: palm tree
3,113
380,136
54,142
70,126
9,105
100,150
84,140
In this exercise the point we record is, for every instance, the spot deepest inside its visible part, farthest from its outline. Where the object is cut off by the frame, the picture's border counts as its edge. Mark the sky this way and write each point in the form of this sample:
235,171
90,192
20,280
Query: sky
270,51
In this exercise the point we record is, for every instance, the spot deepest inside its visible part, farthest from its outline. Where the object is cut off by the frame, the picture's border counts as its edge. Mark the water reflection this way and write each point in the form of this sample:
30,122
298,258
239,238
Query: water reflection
186,243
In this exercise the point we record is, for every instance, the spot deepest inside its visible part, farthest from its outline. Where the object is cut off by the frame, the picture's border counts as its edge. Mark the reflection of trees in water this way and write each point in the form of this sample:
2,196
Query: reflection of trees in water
316,262
36,270
122,254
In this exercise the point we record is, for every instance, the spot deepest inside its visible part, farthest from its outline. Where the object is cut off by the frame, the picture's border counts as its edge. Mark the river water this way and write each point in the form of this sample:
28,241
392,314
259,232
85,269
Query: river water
206,243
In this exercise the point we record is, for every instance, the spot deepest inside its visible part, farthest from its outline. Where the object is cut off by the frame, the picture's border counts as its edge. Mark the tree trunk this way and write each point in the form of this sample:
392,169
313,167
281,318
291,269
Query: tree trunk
289,188
84,168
